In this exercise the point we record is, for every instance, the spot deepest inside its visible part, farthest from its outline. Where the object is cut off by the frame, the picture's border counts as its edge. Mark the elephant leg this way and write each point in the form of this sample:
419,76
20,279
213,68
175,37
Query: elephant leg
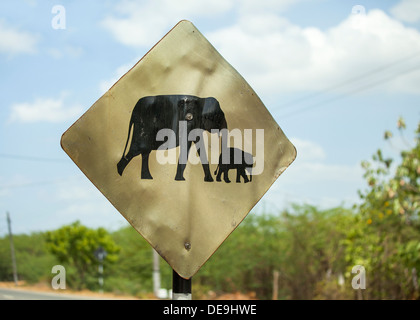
238,175
206,168
219,169
249,170
242,172
145,173
201,150
182,163
219,172
226,175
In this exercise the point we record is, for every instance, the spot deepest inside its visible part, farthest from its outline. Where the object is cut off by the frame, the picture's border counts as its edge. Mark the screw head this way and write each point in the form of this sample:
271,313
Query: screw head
187,246
188,116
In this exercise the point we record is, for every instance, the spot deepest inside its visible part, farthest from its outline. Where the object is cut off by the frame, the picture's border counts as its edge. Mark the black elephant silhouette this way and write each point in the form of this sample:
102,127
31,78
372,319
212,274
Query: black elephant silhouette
153,113
237,159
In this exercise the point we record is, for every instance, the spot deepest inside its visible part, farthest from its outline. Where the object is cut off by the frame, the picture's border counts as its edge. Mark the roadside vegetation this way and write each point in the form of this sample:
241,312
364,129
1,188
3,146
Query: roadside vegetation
302,252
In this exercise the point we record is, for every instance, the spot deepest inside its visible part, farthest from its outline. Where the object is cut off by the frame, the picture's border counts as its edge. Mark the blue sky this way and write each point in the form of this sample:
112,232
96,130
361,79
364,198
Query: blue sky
334,74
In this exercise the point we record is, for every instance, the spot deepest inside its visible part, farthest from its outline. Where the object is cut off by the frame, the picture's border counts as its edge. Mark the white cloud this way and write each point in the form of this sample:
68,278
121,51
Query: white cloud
144,23
67,51
311,178
44,110
276,55
105,85
252,6
325,172
31,3
311,165
15,181
13,41
407,10
78,191
308,150
80,200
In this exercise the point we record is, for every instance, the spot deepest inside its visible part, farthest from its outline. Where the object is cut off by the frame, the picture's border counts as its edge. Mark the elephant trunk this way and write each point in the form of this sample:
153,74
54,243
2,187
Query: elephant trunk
223,125
121,165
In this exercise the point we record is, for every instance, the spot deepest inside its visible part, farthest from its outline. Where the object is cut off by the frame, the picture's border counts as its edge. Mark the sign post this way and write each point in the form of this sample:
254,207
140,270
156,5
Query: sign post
161,142
181,288
100,254
156,274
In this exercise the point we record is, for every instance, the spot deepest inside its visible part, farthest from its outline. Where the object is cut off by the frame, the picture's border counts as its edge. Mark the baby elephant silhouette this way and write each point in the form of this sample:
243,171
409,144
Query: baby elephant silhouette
244,163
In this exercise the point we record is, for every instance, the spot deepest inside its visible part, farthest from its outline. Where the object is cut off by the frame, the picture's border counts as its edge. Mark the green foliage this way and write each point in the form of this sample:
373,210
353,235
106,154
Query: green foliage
389,239
74,246
302,244
313,251
243,262
133,274
32,258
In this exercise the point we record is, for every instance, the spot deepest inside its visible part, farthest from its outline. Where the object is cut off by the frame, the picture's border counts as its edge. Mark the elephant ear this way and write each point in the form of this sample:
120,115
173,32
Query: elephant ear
212,115
248,158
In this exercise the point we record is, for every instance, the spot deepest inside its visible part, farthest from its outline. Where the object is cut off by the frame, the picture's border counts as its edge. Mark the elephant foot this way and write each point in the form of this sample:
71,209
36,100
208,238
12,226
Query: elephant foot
121,165
208,179
218,179
227,181
179,178
146,176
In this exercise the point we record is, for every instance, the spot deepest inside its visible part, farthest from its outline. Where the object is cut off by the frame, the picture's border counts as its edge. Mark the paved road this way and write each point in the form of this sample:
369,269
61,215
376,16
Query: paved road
19,294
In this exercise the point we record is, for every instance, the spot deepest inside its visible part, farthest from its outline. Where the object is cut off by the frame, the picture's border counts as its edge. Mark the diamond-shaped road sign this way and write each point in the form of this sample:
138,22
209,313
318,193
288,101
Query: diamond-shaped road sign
134,145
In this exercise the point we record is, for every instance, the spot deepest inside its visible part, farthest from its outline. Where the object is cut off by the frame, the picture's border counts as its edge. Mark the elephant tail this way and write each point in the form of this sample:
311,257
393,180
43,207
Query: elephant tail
249,169
218,167
124,161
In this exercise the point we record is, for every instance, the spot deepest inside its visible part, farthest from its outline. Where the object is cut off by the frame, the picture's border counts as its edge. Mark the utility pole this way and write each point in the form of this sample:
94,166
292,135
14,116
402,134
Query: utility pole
156,274
12,249
276,275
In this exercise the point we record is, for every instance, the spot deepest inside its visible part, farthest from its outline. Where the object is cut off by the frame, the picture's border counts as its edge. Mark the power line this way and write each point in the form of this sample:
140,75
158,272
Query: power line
37,183
31,158
359,89
349,81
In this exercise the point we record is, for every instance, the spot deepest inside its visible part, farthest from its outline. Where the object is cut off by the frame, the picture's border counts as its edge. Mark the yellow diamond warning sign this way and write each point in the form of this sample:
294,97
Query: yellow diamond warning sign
182,147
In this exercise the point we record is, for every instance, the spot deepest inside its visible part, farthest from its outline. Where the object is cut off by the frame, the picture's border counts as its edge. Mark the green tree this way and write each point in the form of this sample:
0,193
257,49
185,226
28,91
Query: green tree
302,243
74,246
246,260
386,238
33,260
133,273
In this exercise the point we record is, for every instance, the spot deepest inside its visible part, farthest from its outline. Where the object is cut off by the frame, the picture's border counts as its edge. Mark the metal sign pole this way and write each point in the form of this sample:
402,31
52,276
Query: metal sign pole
156,274
101,277
181,288
100,254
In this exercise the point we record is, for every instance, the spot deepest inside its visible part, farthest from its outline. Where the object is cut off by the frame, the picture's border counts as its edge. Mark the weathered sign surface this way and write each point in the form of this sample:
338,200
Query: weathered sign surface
182,147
